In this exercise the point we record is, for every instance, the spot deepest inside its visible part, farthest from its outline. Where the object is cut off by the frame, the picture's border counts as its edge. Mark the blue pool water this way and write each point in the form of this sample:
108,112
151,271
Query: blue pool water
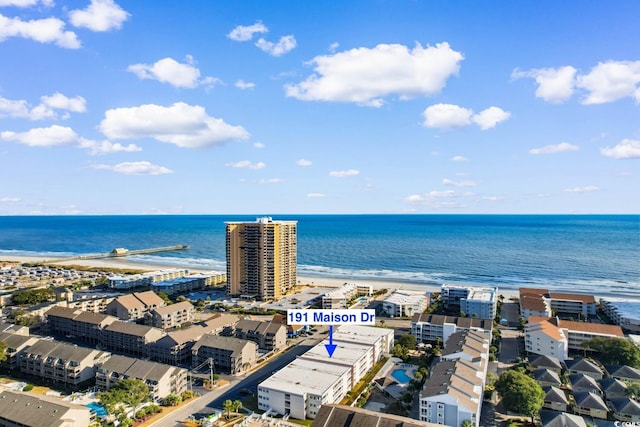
98,409
401,376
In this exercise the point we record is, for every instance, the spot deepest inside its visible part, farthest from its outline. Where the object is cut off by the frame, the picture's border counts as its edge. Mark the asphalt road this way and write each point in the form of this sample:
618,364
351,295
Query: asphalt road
205,404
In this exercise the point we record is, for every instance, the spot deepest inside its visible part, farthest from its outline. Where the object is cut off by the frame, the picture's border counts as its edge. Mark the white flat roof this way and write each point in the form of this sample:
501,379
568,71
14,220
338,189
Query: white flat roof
306,376
482,294
361,333
346,352
406,297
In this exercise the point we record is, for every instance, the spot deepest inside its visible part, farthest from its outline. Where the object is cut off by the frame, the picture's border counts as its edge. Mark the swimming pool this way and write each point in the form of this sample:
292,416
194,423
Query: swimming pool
97,408
401,376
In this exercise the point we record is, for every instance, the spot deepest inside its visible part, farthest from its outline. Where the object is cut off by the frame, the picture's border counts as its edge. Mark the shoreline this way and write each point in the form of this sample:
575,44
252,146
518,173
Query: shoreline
304,280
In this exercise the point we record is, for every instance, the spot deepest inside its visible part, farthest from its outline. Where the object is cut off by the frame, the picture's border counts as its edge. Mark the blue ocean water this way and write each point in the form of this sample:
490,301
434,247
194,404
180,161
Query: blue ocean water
584,253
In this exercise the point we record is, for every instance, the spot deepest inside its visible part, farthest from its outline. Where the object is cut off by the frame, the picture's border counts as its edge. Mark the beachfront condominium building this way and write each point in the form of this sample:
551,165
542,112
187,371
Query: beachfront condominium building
473,301
405,303
551,336
261,258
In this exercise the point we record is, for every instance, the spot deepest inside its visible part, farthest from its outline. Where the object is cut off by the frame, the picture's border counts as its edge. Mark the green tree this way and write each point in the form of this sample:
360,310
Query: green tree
520,393
3,351
408,341
237,405
33,296
521,322
228,407
172,400
401,352
614,351
128,392
633,389
467,423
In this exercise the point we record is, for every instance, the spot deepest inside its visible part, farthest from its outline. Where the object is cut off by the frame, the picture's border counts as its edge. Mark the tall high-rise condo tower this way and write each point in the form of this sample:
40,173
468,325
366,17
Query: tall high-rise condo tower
261,258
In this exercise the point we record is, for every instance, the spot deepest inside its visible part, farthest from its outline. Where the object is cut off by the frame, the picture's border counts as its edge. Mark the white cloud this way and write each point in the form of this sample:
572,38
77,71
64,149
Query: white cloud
554,84
315,195
343,174
610,81
304,162
459,183
181,124
606,82
446,116
100,15
270,181
334,46
246,164
61,136
168,70
285,44
53,136
490,117
587,189
48,30
135,168
459,159
108,147
557,148
365,76
258,145
241,84
626,149
494,198
45,110
25,3
61,102
436,199
243,33
10,199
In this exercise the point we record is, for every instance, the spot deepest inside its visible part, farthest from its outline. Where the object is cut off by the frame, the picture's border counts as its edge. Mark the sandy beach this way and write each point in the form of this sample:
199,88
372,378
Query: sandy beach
331,282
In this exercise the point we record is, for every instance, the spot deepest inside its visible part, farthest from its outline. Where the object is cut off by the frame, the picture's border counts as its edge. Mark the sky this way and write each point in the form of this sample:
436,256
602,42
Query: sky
284,107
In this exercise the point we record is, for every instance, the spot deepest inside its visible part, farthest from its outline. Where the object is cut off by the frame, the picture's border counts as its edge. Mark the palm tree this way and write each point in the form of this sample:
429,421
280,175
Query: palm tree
228,407
237,405
382,322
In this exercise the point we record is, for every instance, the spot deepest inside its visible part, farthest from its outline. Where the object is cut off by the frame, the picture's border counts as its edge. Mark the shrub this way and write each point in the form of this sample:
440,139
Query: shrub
28,387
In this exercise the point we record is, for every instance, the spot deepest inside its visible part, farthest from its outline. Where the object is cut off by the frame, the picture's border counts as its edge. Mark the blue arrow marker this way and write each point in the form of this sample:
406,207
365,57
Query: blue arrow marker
331,347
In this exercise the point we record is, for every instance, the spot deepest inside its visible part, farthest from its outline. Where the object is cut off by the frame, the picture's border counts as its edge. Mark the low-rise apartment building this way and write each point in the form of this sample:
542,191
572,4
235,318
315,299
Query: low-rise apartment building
161,379
405,303
15,345
77,324
25,409
229,355
130,338
429,328
268,335
623,312
480,302
175,347
189,283
543,303
172,316
61,363
314,379
551,336
130,281
454,390
134,306
340,298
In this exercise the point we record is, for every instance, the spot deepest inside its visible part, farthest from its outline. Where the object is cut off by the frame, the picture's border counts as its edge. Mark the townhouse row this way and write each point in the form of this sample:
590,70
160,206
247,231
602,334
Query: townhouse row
453,392
75,367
